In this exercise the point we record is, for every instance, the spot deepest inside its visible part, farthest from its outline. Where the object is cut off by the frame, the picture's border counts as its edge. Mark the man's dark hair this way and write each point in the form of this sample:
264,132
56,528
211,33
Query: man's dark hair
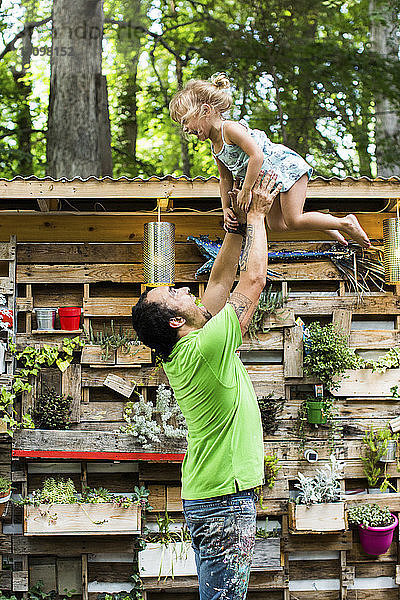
150,320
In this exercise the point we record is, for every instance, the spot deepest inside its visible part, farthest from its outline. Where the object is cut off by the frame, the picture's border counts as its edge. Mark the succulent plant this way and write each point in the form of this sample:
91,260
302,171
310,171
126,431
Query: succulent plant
323,487
5,484
52,410
370,515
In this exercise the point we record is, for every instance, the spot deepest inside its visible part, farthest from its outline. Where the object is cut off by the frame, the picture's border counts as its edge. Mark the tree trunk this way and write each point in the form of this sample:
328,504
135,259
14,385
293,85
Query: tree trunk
24,119
184,144
78,142
385,42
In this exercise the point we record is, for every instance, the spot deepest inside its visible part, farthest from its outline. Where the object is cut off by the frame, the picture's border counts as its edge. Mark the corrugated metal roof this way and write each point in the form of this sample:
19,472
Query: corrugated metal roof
196,179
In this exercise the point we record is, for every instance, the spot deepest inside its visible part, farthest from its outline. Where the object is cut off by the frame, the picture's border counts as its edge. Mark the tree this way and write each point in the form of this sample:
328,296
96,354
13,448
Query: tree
78,142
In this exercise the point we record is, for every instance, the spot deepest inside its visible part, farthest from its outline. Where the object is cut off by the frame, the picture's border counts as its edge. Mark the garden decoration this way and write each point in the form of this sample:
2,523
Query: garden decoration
318,507
363,273
376,526
58,509
140,417
318,411
380,449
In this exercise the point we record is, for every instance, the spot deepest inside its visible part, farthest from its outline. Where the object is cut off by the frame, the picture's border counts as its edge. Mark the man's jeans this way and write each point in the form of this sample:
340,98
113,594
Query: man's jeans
223,534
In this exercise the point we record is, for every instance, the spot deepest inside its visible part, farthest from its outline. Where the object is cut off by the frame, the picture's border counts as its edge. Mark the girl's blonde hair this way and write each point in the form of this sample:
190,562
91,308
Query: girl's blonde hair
188,101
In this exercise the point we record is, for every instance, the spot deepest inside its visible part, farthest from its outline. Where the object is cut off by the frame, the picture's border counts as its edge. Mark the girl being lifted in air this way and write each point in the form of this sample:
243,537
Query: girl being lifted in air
241,153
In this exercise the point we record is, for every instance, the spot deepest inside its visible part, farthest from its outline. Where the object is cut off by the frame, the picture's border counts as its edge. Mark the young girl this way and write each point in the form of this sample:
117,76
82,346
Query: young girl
241,153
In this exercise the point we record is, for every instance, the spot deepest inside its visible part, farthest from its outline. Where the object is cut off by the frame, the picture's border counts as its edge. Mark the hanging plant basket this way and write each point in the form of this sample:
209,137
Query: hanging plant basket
4,499
391,451
81,519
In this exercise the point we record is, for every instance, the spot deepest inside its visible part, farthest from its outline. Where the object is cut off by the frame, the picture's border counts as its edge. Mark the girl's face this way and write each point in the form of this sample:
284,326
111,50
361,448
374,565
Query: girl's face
199,125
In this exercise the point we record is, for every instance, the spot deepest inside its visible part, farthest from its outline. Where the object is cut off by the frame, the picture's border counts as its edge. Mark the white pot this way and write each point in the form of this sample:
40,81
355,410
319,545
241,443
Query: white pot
170,560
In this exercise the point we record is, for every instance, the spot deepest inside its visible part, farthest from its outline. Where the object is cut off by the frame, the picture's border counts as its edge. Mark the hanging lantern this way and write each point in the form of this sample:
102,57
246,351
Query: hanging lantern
159,254
391,247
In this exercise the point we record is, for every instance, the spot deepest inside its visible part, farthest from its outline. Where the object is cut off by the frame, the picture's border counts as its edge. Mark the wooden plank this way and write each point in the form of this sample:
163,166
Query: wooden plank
374,339
174,500
173,187
93,354
258,581
380,304
71,546
136,354
310,542
273,340
90,441
133,273
102,411
119,385
108,307
5,580
324,518
364,382
97,227
20,581
71,386
342,320
293,351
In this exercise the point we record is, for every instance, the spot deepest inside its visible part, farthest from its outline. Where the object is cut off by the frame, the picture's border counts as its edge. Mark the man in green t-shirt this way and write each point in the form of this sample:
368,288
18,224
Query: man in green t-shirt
224,461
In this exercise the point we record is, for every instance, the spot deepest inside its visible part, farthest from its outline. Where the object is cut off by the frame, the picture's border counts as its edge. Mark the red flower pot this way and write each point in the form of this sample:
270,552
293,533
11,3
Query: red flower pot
70,317
4,498
376,540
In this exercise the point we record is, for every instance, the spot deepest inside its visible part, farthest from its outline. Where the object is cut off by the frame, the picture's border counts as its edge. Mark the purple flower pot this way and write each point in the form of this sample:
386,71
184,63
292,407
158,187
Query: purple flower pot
376,540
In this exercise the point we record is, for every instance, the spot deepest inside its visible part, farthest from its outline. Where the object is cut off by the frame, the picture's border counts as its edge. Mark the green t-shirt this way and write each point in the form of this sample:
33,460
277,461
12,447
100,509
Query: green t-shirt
217,399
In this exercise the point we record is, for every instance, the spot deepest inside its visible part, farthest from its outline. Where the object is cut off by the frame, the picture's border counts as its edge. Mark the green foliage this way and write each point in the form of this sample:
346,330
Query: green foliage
110,340
327,354
164,535
5,484
390,360
376,444
323,487
265,533
370,515
63,491
271,470
136,593
269,303
52,410
270,408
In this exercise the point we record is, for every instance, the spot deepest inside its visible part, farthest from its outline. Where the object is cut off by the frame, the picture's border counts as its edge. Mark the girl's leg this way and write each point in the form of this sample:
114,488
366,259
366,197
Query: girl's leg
276,222
292,204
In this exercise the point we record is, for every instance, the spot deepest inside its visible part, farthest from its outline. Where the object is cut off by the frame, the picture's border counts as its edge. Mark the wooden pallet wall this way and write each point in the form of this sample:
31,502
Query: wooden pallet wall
105,279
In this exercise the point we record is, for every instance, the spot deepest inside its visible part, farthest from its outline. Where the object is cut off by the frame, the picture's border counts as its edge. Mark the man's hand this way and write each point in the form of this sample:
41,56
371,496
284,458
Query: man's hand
230,220
263,195
240,214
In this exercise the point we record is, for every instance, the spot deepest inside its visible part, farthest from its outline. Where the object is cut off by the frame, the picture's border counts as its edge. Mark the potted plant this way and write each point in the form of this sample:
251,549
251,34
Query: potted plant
58,509
270,409
267,549
318,411
70,317
380,449
167,553
318,507
5,493
375,526
271,470
270,303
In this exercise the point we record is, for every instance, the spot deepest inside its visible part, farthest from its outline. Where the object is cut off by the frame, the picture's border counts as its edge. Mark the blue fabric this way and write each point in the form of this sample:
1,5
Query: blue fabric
223,532
286,163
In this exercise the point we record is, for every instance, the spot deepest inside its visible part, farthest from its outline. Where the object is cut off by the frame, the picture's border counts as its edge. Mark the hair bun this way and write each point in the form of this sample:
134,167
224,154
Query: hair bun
221,81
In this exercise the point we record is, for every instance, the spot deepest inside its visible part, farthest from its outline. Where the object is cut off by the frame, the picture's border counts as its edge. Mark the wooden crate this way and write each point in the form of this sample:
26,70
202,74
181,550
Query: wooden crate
329,517
81,519
167,560
138,354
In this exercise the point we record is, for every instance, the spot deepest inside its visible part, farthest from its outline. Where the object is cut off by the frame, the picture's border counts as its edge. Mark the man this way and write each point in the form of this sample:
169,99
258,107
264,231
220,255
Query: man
225,456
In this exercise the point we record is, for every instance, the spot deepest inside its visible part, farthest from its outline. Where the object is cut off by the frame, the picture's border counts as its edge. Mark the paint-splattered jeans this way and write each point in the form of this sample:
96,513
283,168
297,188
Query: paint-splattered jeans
223,534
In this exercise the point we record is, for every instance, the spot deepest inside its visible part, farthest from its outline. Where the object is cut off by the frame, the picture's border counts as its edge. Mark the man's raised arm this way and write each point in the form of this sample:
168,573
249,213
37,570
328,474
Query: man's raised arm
253,262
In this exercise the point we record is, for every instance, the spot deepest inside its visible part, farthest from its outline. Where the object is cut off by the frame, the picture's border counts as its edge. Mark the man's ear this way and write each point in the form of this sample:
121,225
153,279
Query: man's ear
177,322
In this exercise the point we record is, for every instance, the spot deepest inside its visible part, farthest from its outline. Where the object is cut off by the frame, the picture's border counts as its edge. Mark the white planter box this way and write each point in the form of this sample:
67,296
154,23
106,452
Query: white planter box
329,517
171,560
81,519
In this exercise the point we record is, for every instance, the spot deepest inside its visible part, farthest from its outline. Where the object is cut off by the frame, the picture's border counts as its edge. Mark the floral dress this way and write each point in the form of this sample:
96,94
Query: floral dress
286,163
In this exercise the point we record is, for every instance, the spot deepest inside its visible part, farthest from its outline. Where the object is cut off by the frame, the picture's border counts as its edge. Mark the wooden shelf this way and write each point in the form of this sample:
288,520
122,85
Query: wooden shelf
55,331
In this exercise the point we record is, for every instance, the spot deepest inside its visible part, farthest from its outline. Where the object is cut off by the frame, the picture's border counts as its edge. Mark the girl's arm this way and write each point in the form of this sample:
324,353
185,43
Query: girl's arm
226,186
238,135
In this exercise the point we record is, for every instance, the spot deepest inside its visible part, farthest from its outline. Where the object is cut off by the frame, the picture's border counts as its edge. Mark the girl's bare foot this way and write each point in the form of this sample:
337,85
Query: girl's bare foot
336,235
351,226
